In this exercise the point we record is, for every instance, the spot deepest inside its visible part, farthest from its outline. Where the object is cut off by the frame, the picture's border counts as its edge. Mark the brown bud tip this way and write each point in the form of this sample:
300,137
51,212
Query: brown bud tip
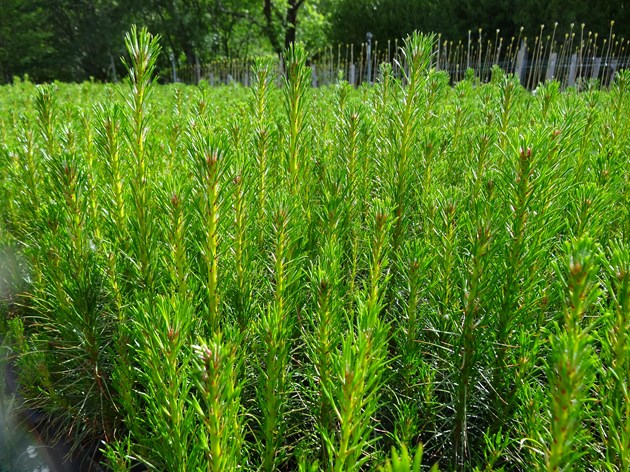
172,334
175,201
575,268
211,159
206,354
323,285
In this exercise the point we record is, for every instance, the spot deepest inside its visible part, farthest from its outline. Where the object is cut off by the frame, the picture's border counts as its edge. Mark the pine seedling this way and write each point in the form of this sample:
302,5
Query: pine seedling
9,170
547,97
403,461
379,256
353,147
118,455
217,403
436,87
417,260
277,327
417,54
178,265
616,355
357,387
29,172
620,92
620,123
325,333
496,445
143,49
446,244
76,387
359,366
351,179
571,365
296,98
132,228
532,186
469,345
385,91
242,244
209,163
91,177
589,107
108,143
47,118
47,123
116,245
71,208
507,317
166,432
264,77
509,89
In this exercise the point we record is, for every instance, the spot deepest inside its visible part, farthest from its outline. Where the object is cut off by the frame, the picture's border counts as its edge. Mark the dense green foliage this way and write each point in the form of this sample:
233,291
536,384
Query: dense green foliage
73,40
389,19
284,277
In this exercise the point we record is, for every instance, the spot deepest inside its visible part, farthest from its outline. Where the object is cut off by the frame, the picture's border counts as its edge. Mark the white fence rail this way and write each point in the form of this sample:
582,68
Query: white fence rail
574,60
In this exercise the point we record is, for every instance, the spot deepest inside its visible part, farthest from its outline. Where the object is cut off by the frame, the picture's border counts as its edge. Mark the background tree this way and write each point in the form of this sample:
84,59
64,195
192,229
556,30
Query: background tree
388,19
184,25
74,40
238,27
281,19
314,25
395,19
24,40
87,36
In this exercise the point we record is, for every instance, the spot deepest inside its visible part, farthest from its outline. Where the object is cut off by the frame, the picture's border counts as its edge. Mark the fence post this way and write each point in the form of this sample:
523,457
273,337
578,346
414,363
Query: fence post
112,66
280,70
597,64
572,70
173,65
369,57
352,75
613,70
197,70
468,54
521,62
551,66
313,76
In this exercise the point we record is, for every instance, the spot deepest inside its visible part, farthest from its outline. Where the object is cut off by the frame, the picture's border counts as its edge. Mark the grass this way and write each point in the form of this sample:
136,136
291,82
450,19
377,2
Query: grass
284,278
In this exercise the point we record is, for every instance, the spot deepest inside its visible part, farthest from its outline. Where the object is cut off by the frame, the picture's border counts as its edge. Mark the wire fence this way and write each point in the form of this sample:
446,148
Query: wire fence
573,59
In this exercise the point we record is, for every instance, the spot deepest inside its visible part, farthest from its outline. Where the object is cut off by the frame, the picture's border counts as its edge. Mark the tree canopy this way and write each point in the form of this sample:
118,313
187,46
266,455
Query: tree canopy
73,40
